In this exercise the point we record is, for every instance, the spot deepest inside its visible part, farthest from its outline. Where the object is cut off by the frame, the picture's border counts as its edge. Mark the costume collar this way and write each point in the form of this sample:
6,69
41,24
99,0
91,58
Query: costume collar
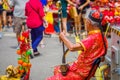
93,32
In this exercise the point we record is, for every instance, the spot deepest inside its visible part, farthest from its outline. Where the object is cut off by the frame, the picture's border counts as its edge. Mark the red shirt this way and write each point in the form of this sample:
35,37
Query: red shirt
35,13
79,70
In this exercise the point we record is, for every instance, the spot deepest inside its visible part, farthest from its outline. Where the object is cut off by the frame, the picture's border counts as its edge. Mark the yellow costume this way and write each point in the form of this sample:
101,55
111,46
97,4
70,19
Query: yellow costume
6,5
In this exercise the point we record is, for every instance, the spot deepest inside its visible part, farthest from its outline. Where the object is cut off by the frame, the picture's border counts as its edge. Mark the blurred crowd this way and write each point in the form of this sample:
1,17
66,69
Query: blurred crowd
110,9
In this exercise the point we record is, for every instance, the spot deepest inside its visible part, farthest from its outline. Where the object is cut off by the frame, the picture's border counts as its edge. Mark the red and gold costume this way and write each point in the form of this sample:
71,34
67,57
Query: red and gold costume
93,48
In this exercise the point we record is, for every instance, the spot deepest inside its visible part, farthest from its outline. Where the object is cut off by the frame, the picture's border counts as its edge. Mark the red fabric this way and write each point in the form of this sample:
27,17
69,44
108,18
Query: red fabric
95,8
117,19
58,76
34,18
49,29
79,70
26,77
108,16
111,4
104,1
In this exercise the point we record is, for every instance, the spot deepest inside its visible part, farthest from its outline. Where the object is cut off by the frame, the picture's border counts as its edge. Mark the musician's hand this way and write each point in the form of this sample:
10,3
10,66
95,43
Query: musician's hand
61,35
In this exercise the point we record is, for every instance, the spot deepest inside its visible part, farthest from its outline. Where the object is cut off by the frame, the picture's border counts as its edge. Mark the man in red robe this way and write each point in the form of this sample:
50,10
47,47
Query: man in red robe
93,47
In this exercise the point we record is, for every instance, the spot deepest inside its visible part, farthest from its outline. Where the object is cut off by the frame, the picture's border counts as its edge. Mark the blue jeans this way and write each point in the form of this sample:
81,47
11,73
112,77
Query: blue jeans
36,36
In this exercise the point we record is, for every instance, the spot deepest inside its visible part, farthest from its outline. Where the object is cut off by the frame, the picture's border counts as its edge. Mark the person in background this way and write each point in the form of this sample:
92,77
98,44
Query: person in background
92,47
3,20
49,10
82,9
44,3
1,10
36,22
64,14
6,8
10,15
18,16
73,14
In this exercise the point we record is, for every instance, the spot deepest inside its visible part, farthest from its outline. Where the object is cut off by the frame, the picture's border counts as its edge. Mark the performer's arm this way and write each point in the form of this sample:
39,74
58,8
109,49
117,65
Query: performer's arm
69,44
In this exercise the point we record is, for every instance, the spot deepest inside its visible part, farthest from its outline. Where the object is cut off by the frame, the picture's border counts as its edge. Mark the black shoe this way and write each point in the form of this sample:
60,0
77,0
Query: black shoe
36,53
31,56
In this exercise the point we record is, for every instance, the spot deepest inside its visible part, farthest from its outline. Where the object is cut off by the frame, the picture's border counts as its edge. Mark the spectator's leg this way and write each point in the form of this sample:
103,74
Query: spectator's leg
36,35
0,26
4,20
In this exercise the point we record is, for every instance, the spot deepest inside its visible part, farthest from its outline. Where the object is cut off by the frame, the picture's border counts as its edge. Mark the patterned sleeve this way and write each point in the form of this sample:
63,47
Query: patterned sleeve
87,43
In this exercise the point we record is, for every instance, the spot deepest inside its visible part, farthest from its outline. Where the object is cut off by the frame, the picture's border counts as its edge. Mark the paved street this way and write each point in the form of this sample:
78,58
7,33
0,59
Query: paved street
42,66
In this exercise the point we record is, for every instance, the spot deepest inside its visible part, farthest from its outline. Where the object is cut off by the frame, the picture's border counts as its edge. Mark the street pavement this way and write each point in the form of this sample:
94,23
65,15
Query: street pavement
43,65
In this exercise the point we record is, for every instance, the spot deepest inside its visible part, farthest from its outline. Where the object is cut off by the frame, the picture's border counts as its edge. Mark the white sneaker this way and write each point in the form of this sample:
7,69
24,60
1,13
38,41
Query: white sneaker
42,45
5,28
